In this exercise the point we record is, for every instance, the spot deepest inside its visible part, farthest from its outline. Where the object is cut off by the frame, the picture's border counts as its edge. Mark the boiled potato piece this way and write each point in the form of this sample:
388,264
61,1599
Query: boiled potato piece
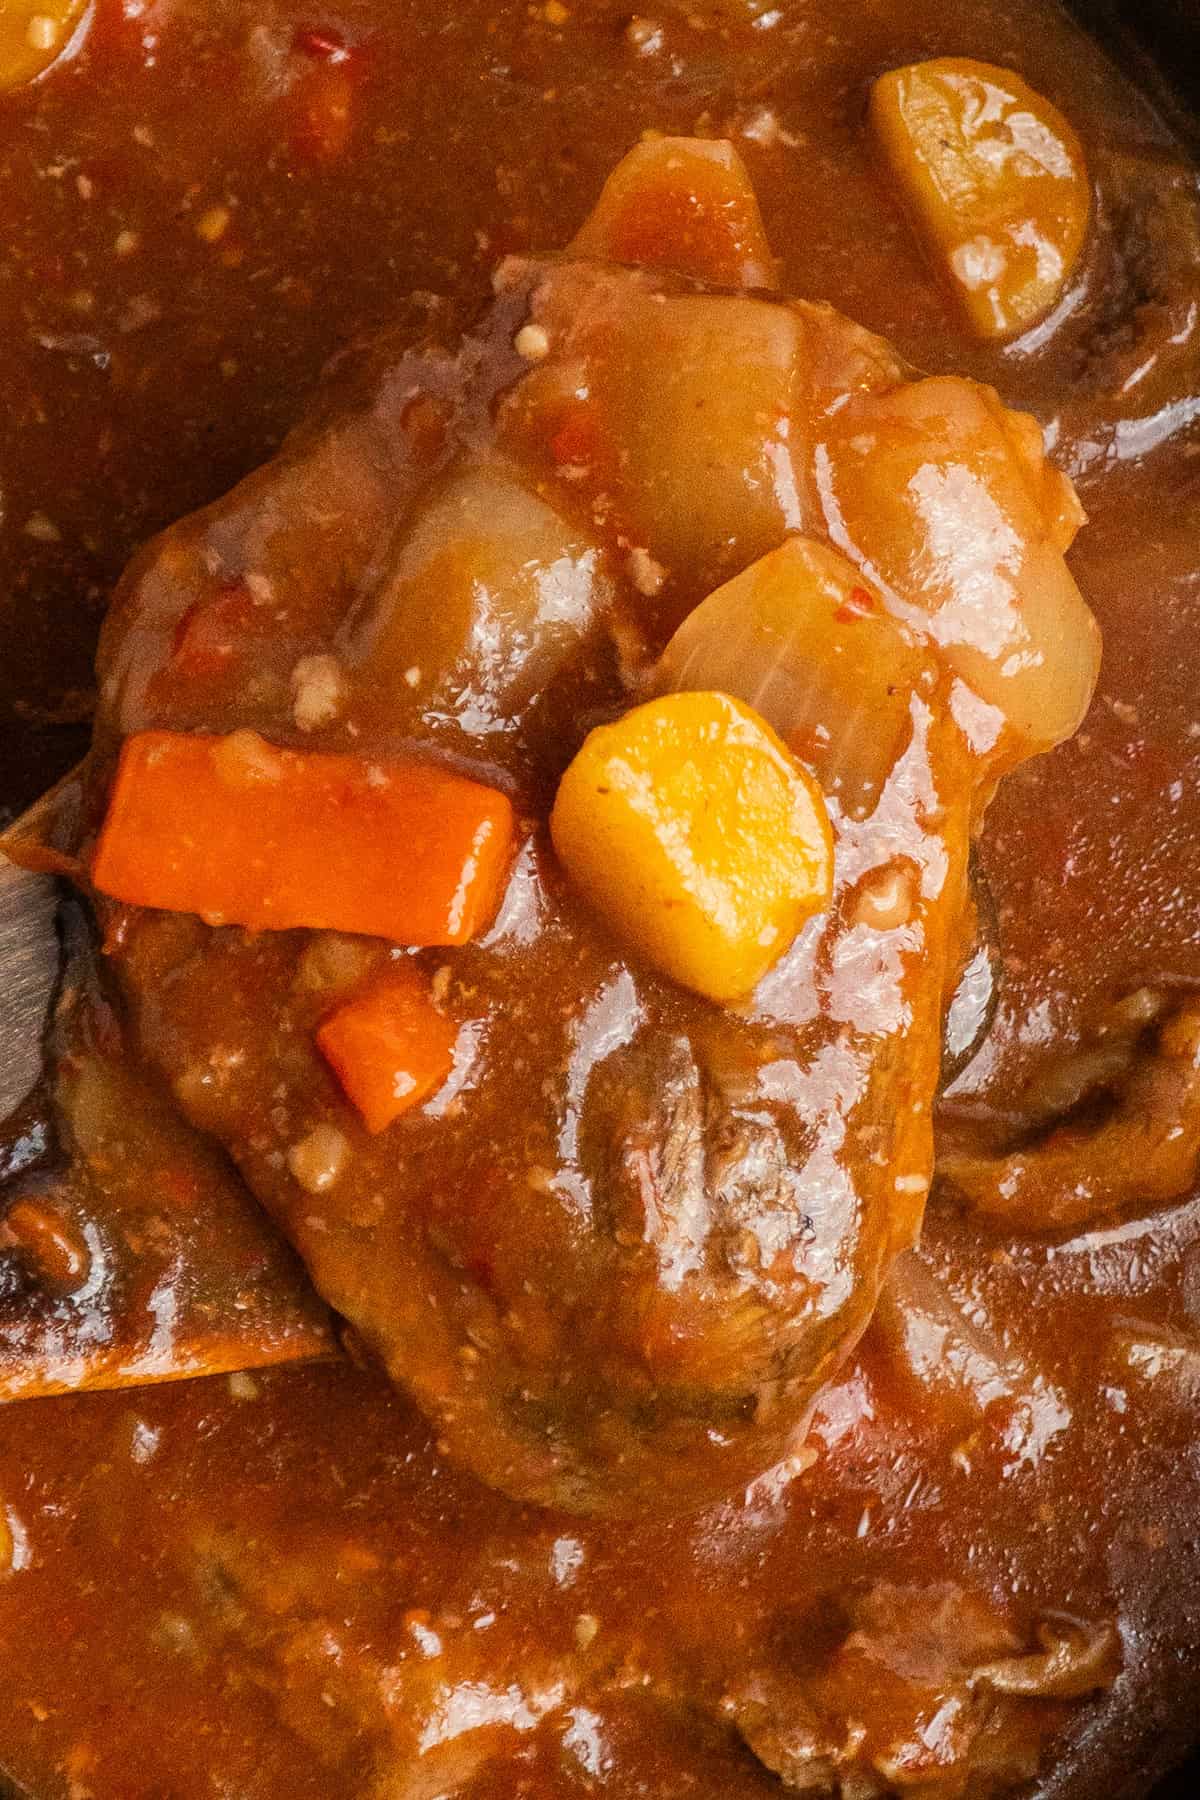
698,837
684,204
33,34
994,179
677,408
700,395
487,597
940,496
802,638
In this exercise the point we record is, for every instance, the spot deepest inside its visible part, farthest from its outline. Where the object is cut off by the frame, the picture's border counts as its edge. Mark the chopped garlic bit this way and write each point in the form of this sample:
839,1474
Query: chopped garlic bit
533,343
645,36
762,126
646,575
244,757
213,223
886,898
260,587
318,691
318,1159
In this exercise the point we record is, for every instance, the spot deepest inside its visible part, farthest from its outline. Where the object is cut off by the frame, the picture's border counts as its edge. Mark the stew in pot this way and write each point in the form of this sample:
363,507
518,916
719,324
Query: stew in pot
630,901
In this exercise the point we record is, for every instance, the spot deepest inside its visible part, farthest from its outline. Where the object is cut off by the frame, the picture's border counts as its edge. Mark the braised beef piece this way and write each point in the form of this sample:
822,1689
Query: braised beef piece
621,1250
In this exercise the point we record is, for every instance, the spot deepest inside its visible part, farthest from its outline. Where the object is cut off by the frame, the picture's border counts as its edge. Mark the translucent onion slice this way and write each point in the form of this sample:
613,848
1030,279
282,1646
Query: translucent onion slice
945,499
951,1360
959,1372
801,638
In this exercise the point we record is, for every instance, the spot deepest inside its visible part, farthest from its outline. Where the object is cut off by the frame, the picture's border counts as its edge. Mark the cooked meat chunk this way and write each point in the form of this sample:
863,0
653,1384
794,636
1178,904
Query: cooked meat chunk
1140,1147
959,1709
614,1237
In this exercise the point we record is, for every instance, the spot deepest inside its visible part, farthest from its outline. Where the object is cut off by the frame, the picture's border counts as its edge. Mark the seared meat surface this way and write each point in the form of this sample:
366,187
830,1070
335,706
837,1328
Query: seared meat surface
620,1249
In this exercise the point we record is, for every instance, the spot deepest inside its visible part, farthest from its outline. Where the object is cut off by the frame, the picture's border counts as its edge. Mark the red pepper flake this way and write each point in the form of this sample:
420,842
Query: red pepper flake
575,439
60,1257
808,743
424,423
325,98
321,43
858,604
178,1186
207,635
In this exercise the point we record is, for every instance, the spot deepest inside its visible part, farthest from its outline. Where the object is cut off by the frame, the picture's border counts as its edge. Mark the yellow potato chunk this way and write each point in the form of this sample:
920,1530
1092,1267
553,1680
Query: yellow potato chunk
698,837
33,34
995,181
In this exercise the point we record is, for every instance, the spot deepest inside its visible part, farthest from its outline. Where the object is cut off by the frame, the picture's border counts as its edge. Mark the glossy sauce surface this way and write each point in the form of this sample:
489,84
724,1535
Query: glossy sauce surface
258,1589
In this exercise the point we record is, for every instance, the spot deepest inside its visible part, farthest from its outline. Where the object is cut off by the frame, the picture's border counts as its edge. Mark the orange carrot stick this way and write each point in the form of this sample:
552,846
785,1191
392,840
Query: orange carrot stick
247,834
389,1046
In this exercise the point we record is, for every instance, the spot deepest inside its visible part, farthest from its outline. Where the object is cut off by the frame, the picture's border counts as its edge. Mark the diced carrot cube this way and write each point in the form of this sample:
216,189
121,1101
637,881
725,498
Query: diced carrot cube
389,1046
